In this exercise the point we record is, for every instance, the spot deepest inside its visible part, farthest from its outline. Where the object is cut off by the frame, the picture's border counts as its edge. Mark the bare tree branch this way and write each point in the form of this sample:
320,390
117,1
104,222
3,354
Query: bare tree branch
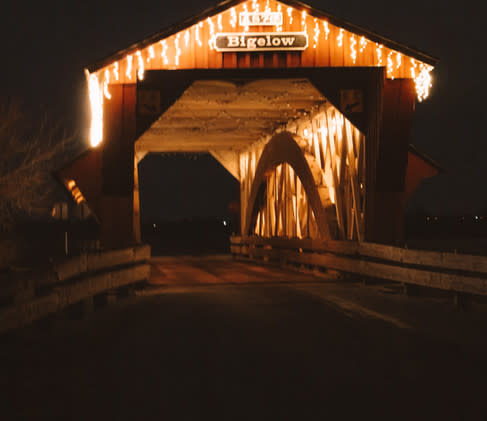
29,152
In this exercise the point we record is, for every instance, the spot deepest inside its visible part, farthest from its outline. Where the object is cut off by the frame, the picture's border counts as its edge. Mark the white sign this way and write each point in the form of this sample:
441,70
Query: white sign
261,41
260,19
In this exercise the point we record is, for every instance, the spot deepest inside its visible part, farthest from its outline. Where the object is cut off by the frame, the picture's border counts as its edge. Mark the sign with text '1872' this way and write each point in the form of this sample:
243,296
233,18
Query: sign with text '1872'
260,19
261,41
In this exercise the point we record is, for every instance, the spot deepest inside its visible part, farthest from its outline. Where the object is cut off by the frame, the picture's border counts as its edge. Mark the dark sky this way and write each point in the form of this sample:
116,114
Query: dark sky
47,44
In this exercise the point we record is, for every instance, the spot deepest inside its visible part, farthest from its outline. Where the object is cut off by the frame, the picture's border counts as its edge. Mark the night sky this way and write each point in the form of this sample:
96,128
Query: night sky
47,44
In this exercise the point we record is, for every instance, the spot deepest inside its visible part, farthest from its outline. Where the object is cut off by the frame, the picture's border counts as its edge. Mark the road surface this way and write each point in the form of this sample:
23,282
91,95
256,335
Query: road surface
215,339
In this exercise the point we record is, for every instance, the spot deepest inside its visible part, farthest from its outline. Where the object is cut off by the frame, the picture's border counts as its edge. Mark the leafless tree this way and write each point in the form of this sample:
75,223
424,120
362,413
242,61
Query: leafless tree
29,152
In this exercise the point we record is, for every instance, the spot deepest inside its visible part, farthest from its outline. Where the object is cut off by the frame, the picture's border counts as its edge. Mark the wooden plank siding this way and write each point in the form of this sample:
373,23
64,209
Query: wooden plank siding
196,52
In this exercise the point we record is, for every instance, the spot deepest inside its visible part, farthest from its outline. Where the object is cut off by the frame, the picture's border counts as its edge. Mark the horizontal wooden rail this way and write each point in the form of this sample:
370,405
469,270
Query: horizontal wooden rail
447,271
75,280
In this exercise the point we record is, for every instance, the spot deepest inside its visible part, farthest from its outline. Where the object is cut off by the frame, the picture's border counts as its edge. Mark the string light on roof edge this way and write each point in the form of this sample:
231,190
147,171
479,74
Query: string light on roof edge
423,82
233,17
317,33
220,26
164,51
290,15
363,44
398,60
279,10
115,70
378,50
340,38
96,104
390,66
326,29
151,54
211,40
178,50
140,69
128,73
303,21
186,37
197,35
353,51
105,85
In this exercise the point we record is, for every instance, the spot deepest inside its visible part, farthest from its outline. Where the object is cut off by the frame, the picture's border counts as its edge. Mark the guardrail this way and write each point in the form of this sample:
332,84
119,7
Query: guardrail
73,280
459,273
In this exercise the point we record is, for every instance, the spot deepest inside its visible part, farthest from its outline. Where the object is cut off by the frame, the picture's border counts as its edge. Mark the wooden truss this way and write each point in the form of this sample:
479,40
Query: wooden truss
334,151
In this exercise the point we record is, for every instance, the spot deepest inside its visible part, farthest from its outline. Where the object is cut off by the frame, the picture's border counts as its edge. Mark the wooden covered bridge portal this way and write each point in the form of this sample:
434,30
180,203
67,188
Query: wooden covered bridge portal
311,114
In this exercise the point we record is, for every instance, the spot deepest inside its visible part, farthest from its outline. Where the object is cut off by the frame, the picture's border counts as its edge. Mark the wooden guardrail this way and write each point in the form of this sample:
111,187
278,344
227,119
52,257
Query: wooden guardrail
74,280
443,270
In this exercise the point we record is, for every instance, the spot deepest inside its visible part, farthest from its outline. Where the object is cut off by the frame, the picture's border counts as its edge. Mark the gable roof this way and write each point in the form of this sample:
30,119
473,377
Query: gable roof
226,4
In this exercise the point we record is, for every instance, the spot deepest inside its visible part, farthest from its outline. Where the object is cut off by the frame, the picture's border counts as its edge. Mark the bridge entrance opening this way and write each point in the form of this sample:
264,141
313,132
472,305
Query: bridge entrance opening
189,204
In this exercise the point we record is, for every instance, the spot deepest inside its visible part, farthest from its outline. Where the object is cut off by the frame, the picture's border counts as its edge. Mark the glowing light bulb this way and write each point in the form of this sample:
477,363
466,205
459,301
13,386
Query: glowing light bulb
255,5
128,73
340,38
140,70
105,85
303,20
353,51
220,26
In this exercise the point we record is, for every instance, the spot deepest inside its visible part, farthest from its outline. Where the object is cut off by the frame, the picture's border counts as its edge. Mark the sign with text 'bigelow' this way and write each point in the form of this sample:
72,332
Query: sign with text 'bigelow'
261,41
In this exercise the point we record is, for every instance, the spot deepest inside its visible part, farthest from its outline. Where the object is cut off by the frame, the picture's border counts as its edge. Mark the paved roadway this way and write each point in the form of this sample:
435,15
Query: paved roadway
220,340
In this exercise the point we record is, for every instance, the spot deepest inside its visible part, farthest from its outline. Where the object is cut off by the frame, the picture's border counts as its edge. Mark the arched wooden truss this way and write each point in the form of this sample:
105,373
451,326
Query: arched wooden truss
307,180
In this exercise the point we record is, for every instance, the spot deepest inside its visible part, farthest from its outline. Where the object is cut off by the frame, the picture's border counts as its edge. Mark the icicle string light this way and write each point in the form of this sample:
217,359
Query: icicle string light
340,38
290,15
378,50
128,73
317,33
178,50
115,71
96,103
363,44
140,65
164,52
105,85
326,29
353,51
151,55
423,82
211,40
397,64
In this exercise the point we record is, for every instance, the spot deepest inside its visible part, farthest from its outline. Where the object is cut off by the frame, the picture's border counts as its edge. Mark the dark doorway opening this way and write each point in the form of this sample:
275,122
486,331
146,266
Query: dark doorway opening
188,204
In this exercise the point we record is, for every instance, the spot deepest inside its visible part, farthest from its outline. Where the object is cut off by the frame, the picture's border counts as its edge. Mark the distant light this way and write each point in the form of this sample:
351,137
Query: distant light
225,223
154,225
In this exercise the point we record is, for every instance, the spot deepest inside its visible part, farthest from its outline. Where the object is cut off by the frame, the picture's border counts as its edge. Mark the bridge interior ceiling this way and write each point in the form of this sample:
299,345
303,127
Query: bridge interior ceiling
235,120
222,114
